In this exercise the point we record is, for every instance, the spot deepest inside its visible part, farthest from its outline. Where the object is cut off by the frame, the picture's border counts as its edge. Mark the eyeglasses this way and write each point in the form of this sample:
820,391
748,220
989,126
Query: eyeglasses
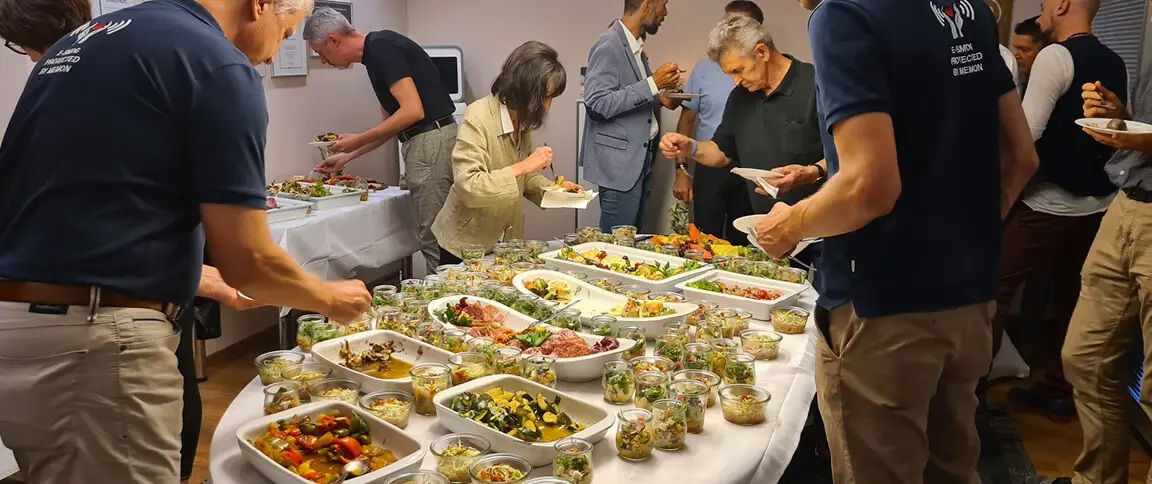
15,48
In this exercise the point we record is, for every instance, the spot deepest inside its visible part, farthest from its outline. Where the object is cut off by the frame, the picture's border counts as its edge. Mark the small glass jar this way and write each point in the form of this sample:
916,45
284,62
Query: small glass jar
739,265
428,380
619,383
703,376
410,322
680,329
411,286
504,460
430,332
669,429
477,265
764,268
508,295
500,253
721,261
589,234
624,242
522,267
634,434
490,289
392,407
698,315
604,325
640,336
605,238
695,254
471,251
740,368
650,387
313,329
418,477
722,348
648,246
305,374
473,289
737,322
516,255
334,390
573,460
634,292
694,395
671,346
416,306
388,318
571,240
671,250
698,356
271,365
382,295
579,276
468,366
568,319
400,298
450,271
507,360
624,232
606,284
453,340
792,274
455,287
642,364
744,404
535,248
281,396
754,254
708,330
525,304
789,320
764,345
433,287
668,297
483,345
540,369
455,454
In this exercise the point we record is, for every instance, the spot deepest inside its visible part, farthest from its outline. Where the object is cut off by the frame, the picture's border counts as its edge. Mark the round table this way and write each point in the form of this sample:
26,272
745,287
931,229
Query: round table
724,453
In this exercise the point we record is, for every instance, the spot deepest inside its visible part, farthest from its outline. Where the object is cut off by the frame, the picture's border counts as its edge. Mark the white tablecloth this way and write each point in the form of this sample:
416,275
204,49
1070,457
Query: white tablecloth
724,453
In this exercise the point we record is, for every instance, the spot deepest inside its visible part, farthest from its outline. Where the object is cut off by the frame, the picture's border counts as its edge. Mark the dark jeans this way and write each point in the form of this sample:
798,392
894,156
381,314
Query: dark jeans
719,198
627,208
447,258
1033,240
193,412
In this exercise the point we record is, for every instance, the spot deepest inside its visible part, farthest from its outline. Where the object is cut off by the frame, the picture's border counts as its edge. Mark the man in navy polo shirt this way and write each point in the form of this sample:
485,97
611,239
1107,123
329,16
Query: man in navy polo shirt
118,150
914,101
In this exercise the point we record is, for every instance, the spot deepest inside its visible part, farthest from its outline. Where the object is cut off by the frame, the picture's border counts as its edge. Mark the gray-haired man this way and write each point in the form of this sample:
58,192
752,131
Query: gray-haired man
416,106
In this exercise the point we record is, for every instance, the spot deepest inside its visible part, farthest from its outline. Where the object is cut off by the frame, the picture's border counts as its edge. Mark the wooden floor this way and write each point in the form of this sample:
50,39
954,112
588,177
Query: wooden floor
1052,446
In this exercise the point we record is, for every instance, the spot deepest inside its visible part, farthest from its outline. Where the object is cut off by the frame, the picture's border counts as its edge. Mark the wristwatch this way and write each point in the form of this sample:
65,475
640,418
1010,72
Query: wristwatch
821,173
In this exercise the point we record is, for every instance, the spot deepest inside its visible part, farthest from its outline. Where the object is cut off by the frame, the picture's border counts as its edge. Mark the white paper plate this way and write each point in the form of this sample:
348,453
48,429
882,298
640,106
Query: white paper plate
800,246
752,174
747,222
1100,125
322,143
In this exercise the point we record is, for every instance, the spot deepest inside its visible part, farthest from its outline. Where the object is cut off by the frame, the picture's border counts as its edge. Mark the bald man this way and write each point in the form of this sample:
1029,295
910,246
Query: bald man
1055,221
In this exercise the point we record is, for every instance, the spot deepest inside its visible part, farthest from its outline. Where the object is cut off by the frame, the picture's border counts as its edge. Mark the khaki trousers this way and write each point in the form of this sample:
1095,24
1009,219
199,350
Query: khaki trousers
1115,307
90,402
898,394
428,168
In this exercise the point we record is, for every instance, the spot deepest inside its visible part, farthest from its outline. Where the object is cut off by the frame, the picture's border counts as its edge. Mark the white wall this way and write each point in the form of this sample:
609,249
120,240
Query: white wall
1023,9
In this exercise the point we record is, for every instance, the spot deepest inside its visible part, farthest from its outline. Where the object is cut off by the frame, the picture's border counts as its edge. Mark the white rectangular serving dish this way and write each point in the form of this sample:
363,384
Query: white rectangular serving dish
761,310
596,420
336,200
290,209
408,450
408,349
596,301
551,259
578,369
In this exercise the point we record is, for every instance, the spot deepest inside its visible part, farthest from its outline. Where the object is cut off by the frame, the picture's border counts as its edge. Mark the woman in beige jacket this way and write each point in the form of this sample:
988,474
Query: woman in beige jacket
494,161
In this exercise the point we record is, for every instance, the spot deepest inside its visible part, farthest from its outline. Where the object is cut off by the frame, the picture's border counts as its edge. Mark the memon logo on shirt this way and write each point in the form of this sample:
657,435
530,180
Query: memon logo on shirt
953,16
87,31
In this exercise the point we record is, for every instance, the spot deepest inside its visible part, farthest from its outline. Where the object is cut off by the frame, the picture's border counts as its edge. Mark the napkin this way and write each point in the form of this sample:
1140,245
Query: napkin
557,199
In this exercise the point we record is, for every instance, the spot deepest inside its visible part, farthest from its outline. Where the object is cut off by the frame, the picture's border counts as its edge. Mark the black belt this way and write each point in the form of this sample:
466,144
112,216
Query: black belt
1138,194
426,127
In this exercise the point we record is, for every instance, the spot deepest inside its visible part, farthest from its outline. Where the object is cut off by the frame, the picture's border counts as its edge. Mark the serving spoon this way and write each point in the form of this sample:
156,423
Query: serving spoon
355,468
558,311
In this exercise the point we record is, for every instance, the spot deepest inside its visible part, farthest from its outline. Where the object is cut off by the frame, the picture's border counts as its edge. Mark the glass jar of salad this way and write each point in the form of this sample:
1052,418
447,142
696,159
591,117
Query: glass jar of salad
428,380
579,276
313,329
639,293
641,364
721,261
392,407
334,390
703,376
648,246
736,322
451,272
540,369
388,318
634,434
500,253
619,383
698,315
604,325
304,374
624,231
679,329
471,251
669,429
271,365
694,395
624,242
516,256
507,295
668,297
400,298
671,346
525,304
485,346
468,366
455,454
568,319
637,334
517,243
739,265
764,345
573,460
433,287
281,396
453,340
708,330
695,254
744,404
416,306
411,286
571,240
650,387
418,477
507,360
789,320
382,295
605,238
698,356
671,250
755,254
740,368
490,289
522,267
606,284
410,322
722,348
794,275
500,469
535,248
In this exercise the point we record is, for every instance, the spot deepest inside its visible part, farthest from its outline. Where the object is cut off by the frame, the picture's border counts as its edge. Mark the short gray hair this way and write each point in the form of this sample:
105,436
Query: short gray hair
285,7
738,32
326,21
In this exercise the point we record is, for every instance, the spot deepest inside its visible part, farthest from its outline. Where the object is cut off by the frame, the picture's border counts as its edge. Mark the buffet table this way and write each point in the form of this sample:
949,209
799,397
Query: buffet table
724,453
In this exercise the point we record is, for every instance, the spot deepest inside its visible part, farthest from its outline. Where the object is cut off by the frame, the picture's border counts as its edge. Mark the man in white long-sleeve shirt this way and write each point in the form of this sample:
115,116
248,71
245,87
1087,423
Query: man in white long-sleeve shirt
1057,217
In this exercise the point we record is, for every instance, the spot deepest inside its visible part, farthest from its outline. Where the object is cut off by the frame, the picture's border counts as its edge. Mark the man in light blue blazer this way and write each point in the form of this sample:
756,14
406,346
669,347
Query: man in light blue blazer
622,96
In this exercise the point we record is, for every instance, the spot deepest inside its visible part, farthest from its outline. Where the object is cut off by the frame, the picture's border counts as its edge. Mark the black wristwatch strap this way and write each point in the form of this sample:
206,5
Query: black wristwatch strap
822,174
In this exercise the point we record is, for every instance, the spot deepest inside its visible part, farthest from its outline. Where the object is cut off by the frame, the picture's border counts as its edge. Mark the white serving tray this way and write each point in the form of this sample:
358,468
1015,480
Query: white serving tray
290,209
410,452
578,369
597,421
337,200
408,349
596,301
761,310
550,258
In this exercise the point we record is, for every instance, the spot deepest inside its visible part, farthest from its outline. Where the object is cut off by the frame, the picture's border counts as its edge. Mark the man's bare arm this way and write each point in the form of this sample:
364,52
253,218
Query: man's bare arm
1018,159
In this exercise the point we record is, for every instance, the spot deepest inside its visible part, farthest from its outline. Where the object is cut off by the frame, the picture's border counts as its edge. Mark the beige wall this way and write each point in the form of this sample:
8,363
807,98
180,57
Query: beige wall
14,71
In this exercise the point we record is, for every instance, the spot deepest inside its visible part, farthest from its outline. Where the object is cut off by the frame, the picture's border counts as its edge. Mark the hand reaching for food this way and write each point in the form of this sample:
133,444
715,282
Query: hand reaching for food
334,163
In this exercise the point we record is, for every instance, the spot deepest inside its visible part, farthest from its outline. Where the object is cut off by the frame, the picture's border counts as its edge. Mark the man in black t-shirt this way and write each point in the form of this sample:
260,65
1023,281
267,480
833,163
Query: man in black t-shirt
417,111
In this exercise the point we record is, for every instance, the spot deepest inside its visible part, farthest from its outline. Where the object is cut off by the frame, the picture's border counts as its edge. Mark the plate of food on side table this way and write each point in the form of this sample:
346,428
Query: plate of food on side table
321,195
283,209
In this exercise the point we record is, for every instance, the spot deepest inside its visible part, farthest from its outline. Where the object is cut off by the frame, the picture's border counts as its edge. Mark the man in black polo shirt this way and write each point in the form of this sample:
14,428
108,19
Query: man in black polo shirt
770,122
100,234
417,110
914,103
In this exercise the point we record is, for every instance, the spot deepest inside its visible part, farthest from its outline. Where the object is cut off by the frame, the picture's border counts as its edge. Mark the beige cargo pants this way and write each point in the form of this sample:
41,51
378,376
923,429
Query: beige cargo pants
428,168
